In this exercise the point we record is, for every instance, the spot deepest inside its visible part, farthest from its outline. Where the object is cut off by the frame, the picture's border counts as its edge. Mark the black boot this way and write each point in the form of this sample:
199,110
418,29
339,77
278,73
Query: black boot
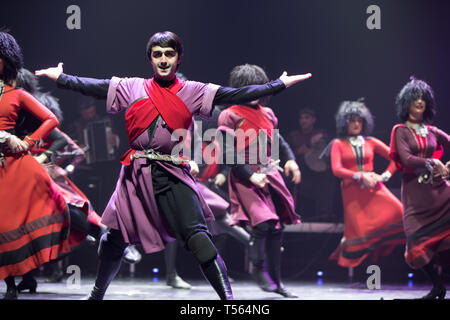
28,283
107,270
215,272
438,291
11,289
256,255
110,250
211,264
273,250
55,270
236,232
172,278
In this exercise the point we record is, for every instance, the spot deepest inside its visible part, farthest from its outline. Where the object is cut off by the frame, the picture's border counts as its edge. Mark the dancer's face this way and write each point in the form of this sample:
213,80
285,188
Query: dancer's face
164,62
306,121
416,109
355,125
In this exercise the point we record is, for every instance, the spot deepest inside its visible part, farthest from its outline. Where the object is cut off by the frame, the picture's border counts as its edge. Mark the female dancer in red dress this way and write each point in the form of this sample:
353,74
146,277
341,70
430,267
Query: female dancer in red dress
416,148
34,216
372,214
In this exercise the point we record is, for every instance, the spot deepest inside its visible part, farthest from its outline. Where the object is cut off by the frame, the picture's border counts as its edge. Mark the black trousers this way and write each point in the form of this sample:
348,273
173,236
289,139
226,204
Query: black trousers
179,205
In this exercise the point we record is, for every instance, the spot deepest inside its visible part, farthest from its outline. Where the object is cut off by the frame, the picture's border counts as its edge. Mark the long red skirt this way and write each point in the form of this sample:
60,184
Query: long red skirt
372,224
34,221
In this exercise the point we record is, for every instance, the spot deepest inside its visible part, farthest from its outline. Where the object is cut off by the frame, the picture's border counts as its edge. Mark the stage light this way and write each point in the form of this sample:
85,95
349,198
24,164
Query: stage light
319,273
410,275
155,270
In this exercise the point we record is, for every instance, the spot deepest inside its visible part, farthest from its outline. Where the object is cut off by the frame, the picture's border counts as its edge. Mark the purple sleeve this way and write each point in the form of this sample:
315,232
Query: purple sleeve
442,138
405,155
199,97
120,93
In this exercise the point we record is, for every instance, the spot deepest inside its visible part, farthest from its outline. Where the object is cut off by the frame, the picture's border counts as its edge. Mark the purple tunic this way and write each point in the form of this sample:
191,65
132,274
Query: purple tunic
132,207
250,204
426,205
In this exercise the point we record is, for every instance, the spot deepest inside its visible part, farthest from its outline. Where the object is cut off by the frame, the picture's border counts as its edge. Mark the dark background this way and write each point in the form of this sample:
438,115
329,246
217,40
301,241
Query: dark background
328,38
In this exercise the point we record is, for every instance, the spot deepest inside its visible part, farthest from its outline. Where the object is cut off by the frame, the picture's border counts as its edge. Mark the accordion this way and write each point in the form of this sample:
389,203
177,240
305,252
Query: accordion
97,136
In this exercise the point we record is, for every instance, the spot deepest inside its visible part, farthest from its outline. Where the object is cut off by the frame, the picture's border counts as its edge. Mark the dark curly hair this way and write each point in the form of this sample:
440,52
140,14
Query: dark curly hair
11,54
413,90
347,110
165,39
28,81
249,74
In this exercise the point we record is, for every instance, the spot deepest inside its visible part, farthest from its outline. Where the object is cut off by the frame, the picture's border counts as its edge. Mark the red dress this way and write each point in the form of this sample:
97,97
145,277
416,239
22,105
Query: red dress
372,217
33,217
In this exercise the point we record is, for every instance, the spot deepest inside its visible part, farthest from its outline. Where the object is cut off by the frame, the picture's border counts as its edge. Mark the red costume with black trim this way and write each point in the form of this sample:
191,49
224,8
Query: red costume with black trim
34,220
372,217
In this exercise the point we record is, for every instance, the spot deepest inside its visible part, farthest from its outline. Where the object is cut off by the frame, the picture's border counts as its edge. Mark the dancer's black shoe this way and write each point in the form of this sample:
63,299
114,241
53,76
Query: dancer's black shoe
215,272
11,293
263,280
436,293
28,283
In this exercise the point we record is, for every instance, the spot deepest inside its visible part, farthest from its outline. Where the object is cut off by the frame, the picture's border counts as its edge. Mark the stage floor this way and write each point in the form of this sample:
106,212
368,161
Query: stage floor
154,289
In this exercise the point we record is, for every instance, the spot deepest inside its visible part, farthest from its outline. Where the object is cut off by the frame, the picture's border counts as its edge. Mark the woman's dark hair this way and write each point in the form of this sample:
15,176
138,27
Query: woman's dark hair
27,80
413,90
349,109
11,54
165,39
52,103
249,74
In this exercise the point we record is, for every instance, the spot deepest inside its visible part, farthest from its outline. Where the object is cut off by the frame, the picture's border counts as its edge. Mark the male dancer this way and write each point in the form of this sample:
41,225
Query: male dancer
259,197
156,198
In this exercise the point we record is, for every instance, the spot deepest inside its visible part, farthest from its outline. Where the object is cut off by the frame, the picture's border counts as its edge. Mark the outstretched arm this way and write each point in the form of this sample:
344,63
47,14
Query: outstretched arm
227,95
97,88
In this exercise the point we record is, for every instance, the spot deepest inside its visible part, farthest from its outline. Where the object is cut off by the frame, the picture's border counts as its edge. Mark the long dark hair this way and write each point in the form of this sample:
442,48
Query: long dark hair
413,90
347,110
12,57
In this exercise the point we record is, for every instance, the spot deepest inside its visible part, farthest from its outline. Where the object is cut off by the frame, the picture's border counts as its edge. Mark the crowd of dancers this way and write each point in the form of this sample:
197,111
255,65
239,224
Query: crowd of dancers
162,201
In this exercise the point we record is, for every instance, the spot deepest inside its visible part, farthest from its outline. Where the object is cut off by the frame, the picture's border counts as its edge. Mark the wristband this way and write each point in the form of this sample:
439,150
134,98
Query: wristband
4,136
386,176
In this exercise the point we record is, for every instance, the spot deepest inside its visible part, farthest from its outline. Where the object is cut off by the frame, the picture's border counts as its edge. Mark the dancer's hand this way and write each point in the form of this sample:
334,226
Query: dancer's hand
16,145
194,168
292,166
42,158
376,176
440,168
290,80
259,179
368,180
220,179
52,73
448,165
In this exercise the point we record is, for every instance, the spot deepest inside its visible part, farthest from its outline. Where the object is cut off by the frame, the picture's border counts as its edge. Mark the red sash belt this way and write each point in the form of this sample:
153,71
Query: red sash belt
160,101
